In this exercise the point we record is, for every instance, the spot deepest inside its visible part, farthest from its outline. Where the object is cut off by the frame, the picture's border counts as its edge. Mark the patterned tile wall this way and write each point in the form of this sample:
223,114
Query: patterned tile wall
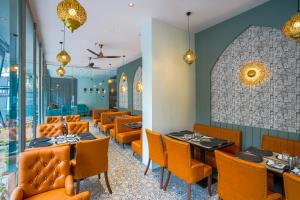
275,104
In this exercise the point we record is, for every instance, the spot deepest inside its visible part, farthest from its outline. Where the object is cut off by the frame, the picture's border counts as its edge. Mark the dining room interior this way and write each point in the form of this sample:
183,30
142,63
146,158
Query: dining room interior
135,100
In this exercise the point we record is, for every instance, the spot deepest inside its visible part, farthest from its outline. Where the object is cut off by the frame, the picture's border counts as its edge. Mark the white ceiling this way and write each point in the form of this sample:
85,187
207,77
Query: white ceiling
117,25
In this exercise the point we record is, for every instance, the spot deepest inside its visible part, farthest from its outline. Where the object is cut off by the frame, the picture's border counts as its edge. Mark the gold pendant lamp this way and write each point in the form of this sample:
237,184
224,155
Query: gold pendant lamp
189,56
60,71
291,28
63,57
109,81
72,14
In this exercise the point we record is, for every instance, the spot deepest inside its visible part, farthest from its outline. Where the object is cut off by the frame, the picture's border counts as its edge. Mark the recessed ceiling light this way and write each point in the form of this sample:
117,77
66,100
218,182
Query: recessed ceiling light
131,4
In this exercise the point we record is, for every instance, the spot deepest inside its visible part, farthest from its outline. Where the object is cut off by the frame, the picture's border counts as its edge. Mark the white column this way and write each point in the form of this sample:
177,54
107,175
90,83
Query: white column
168,82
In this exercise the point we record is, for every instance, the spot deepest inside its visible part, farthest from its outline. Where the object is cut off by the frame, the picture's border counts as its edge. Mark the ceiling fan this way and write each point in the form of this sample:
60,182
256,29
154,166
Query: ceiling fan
100,54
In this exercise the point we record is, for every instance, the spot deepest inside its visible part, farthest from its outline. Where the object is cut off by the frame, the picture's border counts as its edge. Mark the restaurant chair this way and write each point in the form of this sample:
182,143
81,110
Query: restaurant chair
45,174
184,167
78,127
91,159
72,118
54,119
50,130
242,180
137,147
291,186
157,153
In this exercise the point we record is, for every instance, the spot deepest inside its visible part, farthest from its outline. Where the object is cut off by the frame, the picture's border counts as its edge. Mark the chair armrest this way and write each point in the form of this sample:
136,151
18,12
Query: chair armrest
69,185
274,196
17,194
82,196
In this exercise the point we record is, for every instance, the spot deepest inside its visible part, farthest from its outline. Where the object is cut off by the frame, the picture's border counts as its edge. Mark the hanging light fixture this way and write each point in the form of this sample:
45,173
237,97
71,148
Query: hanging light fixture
123,76
291,28
109,79
60,71
71,13
63,57
189,56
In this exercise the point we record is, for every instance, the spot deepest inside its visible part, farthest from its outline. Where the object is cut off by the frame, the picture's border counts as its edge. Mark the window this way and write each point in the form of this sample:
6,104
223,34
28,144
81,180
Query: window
137,89
9,47
123,91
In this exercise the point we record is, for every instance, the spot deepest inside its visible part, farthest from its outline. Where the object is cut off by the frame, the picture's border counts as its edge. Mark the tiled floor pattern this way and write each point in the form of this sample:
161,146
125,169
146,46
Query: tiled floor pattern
127,180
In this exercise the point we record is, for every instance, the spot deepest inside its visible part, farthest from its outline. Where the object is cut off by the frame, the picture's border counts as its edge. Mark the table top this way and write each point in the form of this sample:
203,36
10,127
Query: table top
134,125
203,142
63,139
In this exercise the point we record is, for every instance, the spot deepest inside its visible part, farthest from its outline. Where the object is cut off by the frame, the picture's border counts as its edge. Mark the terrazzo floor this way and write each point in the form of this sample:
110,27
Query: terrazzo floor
127,180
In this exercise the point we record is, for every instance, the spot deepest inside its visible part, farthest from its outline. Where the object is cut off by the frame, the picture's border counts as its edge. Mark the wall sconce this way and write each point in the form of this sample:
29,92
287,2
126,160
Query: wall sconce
103,91
123,89
84,90
124,77
139,87
91,90
253,73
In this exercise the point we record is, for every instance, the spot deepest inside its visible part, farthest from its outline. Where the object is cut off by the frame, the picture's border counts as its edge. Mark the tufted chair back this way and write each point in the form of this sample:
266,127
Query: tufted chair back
78,127
280,145
157,151
43,170
72,118
53,119
91,158
179,157
50,130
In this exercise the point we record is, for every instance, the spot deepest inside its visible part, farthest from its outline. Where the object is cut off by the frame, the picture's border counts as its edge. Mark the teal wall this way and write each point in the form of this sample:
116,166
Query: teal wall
210,44
129,69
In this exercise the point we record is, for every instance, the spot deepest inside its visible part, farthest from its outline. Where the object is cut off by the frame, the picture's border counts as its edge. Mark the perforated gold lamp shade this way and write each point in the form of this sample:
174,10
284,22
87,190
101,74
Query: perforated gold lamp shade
72,14
253,73
60,71
139,87
291,28
63,57
189,57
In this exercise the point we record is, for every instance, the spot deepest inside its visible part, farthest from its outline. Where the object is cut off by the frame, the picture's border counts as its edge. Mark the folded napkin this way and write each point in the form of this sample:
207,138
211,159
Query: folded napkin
276,165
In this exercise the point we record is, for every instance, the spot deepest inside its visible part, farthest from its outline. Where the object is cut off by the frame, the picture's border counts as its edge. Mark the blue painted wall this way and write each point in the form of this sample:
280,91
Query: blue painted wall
210,44
129,69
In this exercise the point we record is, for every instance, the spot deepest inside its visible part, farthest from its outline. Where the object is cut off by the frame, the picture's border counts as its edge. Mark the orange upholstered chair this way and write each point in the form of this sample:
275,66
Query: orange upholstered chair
280,145
96,115
222,133
78,127
242,180
54,119
45,174
183,166
50,130
107,123
291,186
91,159
137,147
123,133
72,118
157,153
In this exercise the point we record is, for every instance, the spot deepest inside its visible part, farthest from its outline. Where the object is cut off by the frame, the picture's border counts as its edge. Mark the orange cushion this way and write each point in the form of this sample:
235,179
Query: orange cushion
127,137
136,146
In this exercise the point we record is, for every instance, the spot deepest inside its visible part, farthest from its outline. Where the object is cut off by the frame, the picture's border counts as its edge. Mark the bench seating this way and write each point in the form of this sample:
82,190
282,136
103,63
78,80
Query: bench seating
126,134
96,115
279,145
106,124
222,133
137,146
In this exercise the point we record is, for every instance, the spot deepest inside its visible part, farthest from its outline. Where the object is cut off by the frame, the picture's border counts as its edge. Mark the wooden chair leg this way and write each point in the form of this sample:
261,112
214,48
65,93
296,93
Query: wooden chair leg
107,182
189,189
123,145
133,153
99,176
77,186
162,169
167,181
147,167
209,181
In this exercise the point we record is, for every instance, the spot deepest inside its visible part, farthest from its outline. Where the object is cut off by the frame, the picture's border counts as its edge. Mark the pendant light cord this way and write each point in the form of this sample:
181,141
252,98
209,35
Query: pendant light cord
298,5
64,37
188,14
